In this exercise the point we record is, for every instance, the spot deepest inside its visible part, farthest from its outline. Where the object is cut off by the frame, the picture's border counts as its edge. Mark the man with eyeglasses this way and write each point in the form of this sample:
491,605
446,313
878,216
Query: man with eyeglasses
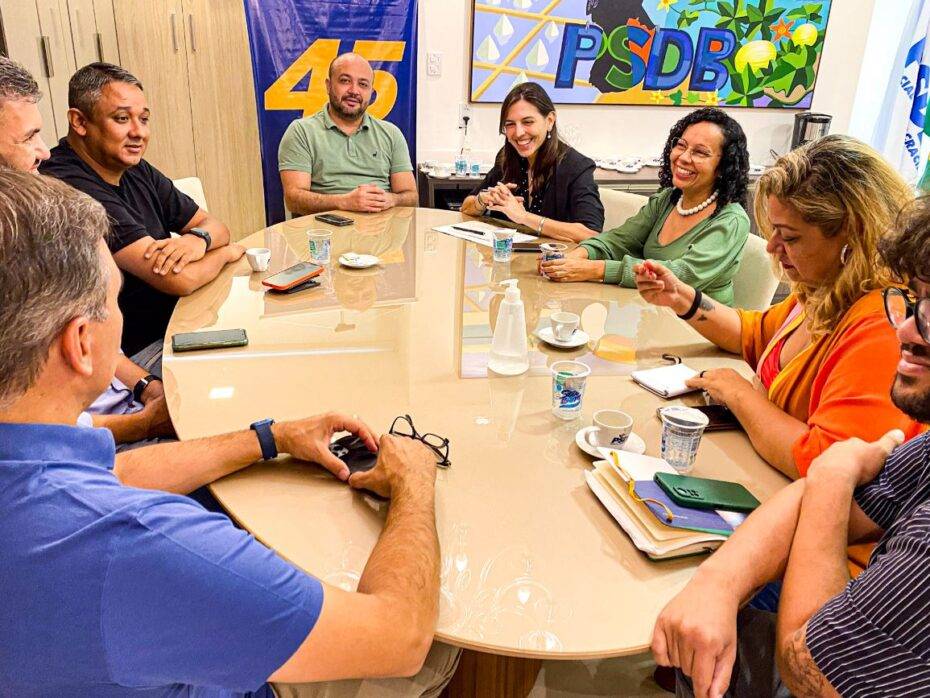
832,635
113,584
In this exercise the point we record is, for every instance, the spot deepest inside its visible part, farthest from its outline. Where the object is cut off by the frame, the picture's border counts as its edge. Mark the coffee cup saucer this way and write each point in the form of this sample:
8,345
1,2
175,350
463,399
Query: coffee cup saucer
634,443
358,261
578,339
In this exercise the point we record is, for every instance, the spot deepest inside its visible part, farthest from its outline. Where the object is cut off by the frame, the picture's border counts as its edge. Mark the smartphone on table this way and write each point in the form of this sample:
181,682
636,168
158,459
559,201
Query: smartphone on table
704,493
210,339
334,219
293,276
719,417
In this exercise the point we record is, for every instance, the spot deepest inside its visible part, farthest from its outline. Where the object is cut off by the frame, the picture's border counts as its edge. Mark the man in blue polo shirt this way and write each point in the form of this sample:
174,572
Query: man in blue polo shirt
110,590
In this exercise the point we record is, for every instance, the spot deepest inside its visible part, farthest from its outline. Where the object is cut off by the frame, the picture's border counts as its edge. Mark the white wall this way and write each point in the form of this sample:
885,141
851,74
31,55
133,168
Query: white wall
614,131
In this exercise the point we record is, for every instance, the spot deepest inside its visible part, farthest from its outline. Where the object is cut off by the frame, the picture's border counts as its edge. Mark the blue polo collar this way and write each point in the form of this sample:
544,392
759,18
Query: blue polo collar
56,443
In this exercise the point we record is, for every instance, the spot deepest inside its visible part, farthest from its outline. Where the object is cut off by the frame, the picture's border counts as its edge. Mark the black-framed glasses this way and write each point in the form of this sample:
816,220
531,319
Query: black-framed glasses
900,304
403,426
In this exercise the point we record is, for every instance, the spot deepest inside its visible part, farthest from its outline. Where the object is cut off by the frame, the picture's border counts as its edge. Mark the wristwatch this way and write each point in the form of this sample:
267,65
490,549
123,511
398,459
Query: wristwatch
140,387
202,234
265,438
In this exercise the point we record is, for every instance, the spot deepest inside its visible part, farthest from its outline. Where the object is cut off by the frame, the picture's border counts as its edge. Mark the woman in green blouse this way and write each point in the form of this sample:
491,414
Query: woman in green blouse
696,225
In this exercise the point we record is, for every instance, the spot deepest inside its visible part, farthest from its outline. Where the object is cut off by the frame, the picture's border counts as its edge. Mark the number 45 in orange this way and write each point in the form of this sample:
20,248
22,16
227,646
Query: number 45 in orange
315,61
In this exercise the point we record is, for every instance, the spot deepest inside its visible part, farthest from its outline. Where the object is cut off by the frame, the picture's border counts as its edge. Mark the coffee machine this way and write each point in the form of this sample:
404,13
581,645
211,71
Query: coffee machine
809,126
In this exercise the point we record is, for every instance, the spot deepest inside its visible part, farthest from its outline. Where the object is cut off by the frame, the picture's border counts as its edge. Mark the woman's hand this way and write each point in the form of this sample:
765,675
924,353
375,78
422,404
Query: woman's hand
501,198
724,385
573,269
659,286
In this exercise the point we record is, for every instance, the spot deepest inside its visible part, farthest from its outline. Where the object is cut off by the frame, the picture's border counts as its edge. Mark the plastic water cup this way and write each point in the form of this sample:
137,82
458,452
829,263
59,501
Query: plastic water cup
568,384
552,250
682,428
503,245
475,169
320,243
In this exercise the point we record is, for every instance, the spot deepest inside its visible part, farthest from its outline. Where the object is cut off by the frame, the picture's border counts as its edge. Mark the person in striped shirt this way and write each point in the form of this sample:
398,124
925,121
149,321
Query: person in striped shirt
869,636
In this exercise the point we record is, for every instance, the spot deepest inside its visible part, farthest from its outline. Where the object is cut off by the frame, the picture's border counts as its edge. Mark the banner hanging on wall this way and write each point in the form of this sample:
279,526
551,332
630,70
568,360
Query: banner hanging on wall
292,44
738,53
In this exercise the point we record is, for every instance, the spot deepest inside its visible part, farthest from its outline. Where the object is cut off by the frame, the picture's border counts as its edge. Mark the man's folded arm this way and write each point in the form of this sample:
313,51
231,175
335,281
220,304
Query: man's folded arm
131,259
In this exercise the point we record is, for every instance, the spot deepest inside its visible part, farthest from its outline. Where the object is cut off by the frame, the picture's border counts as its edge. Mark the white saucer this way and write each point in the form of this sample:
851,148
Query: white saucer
654,162
634,443
579,339
358,261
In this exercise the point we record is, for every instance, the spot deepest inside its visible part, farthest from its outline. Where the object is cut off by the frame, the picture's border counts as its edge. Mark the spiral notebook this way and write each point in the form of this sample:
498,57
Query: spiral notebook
666,381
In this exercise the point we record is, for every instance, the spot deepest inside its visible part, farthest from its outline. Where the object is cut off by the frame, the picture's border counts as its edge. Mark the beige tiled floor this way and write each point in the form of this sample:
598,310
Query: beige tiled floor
622,676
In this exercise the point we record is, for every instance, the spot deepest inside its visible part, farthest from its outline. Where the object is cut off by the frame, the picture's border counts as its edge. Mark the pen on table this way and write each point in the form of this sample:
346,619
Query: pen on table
469,230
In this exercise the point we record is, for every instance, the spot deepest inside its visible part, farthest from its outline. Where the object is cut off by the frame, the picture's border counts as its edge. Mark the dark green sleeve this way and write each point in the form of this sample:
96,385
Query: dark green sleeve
627,240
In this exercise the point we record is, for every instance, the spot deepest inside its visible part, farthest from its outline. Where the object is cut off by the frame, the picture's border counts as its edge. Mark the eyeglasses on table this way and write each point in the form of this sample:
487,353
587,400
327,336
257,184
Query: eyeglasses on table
403,426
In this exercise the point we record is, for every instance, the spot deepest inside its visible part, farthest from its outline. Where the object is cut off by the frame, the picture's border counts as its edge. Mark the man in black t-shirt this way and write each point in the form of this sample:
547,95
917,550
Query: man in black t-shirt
108,130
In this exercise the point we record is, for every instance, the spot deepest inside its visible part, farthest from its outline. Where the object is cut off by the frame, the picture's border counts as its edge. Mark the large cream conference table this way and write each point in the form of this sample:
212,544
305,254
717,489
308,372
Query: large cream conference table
532,564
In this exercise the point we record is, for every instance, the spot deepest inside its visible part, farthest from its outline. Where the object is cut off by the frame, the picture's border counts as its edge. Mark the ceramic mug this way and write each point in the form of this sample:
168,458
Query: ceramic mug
611,428
564,325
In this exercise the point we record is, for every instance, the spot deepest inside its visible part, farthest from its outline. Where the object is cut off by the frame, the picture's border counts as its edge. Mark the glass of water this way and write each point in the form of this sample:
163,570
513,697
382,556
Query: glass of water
568,383
682,428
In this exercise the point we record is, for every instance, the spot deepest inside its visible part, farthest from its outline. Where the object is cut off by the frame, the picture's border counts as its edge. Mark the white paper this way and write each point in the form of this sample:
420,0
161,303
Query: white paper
667,381
479,232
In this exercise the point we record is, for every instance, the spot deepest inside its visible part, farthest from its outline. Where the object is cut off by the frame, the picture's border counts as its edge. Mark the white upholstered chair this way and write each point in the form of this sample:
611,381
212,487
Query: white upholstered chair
619,205
755,282
193,187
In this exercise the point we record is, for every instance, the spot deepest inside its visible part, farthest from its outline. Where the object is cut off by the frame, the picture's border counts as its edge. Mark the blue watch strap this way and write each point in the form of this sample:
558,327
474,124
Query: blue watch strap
266,440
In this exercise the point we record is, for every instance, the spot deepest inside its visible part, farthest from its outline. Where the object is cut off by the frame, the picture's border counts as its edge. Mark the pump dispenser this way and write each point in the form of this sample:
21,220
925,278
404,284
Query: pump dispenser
509,355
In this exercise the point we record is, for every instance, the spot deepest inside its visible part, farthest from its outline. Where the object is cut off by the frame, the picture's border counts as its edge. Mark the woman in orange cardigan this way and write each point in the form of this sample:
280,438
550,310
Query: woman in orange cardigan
825,357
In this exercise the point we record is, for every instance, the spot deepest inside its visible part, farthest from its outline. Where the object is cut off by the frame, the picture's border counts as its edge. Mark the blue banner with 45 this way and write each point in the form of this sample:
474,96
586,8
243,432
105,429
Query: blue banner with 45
292,44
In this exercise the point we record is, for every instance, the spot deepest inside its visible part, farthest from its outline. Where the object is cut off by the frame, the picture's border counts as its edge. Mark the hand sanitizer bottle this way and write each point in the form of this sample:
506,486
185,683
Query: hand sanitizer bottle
509,355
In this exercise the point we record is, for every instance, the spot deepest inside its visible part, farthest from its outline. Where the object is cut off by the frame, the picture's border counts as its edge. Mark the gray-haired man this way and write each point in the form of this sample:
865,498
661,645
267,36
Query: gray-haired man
21,144
117,591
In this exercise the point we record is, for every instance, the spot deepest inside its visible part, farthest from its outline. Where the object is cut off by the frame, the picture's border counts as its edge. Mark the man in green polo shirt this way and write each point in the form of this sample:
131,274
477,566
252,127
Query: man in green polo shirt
343,158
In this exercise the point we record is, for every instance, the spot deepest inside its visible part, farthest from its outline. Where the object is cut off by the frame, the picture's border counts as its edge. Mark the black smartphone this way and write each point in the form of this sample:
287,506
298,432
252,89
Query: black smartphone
292,276
213,339
333,219
354,453
719,417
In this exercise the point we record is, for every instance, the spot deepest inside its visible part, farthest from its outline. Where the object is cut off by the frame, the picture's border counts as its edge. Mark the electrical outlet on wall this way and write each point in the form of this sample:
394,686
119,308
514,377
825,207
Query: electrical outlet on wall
434,64
464,110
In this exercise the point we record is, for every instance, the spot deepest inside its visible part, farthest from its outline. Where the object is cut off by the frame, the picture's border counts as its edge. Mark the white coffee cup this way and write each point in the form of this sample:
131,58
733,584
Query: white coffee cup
258,258
611,428
441,170
564,325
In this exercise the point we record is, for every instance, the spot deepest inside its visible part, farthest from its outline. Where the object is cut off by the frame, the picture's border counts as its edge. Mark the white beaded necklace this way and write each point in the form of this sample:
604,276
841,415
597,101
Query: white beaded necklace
700,207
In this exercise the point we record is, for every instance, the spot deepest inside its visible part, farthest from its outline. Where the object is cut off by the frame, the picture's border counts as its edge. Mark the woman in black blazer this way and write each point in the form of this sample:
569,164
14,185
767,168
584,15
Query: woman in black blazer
538,180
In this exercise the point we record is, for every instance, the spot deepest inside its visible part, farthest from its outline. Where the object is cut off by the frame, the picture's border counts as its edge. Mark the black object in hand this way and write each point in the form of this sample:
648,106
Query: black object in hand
354,453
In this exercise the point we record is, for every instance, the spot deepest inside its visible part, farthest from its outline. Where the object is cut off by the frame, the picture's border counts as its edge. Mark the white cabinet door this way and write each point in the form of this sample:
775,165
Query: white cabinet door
106,29
59,56
84,33
23,40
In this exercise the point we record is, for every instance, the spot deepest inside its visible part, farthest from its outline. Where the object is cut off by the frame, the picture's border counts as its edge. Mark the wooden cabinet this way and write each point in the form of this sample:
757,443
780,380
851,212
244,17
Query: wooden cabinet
153,46
52,38
192,57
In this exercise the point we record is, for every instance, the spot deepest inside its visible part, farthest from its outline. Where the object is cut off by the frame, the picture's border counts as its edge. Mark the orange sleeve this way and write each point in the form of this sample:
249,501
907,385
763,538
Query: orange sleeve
851,395
759,326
